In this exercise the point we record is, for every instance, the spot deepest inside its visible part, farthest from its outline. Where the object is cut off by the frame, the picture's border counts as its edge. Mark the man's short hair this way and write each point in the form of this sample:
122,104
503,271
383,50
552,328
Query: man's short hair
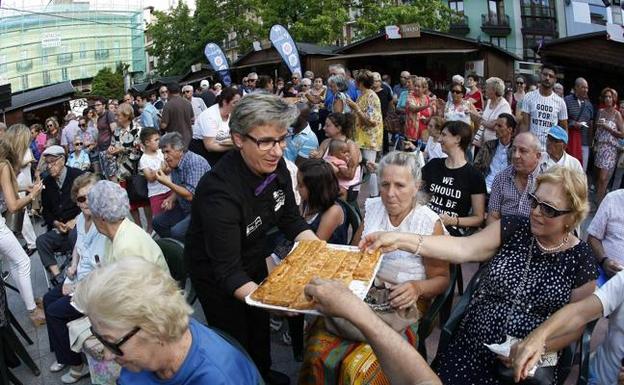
173,87
173,139
252,75
263,81
549,66
510,120
147,133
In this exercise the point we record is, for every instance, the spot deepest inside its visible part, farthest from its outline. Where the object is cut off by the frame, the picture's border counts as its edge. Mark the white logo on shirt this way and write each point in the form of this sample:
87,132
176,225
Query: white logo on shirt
280,198
253,226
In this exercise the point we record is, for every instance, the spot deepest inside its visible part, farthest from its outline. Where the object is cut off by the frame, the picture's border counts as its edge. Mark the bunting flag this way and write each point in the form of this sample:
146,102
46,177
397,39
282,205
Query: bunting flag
219,63
283,42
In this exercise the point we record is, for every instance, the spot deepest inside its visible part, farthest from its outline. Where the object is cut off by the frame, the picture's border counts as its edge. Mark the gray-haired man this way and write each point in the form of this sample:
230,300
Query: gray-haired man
187,168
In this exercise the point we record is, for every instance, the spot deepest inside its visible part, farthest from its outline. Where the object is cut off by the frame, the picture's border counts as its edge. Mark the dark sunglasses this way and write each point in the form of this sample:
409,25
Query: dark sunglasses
547,210
457,92
519,82
115,347
81,198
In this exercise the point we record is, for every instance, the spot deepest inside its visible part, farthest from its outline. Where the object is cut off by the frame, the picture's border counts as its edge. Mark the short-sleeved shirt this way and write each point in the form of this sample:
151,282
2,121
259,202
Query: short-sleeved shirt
506,199
178,115
210,124
149,116
188,173
88,244
451,190
608,225
300,144
132,241
608,359
69,133
154,163
500,161
210,360
544,112
104,132
81,162
566,160
226,242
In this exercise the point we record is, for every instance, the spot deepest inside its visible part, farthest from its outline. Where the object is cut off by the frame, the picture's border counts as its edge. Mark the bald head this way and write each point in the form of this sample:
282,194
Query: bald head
530,140
581,88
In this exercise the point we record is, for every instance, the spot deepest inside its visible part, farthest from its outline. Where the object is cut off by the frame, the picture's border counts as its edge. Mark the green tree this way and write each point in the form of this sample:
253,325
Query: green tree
109,84
376,14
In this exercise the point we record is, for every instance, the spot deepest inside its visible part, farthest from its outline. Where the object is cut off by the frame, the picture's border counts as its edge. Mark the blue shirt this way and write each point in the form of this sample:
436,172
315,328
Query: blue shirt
210,360
352,92
188,173
149,116
80,162
300,144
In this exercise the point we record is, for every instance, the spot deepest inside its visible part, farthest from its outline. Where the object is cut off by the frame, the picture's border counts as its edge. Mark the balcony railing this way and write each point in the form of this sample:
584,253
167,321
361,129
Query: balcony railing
64,58
459,25
101,54
24,65
537,11
539,26
495,24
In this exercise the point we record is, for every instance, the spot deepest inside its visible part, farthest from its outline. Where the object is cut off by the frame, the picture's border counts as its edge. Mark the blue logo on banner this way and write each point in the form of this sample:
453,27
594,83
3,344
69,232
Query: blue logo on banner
283,42
217,60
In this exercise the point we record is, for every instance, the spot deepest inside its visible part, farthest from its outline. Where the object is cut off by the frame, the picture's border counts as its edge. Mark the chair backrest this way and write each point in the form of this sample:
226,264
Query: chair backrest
353,218
173,251
457,314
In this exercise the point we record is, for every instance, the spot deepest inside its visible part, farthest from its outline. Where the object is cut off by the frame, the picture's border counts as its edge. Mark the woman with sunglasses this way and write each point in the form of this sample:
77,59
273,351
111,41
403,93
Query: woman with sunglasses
536,266
140,316
52,129
518,95
56,303
234,206
79,158
457,108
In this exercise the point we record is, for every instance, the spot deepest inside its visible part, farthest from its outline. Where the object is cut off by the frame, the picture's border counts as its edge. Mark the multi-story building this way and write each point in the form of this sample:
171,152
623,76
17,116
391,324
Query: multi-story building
586,16
70,40
516,26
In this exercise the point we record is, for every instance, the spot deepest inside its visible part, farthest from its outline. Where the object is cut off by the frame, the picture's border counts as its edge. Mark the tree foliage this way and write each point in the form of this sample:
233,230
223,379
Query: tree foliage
179,37
108,84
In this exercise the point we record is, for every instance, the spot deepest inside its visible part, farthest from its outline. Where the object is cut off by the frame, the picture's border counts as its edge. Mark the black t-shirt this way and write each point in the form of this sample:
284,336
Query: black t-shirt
208,97
450,190
384,98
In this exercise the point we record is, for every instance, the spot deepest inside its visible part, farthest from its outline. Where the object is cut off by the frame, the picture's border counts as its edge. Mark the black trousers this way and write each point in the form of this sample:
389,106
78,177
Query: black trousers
249,325
59,312
51,242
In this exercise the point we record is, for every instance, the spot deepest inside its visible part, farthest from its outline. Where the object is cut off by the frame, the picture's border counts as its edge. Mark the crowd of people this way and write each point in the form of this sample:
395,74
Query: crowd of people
237,174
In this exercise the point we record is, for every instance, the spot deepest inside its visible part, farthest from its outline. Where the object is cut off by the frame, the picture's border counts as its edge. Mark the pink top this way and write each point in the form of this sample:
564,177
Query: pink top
41,139
344,183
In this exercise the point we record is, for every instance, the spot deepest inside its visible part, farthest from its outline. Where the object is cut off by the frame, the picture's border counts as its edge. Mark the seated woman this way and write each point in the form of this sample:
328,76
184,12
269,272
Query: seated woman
536,266
410,278
57,302
139,314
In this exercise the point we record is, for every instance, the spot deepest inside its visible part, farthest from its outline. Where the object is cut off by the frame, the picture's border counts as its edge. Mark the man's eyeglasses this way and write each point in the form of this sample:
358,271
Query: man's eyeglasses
547,210
266,144
115,347
78,144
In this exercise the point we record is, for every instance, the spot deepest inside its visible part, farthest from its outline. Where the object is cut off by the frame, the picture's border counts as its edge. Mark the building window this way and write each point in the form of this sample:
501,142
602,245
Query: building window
499,41
598,14
457,6
46,77
534,41
25,63
65,57
64,74
3,64
24,82
117,49
101,52
496,9
83,50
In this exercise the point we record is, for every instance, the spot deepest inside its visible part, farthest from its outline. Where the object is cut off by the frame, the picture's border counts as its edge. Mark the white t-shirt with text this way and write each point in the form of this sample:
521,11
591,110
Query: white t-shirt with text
544,112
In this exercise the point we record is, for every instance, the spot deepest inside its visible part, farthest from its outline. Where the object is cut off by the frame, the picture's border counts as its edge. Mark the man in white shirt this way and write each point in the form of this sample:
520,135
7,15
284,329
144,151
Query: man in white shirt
542,108
605,366
606,233
198,104
556,142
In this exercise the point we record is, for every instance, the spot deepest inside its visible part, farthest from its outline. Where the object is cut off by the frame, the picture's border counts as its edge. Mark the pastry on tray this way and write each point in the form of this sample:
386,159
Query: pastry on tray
284,286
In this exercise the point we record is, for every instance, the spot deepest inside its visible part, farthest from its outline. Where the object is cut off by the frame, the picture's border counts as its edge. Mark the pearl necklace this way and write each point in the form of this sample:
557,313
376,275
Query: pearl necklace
552,249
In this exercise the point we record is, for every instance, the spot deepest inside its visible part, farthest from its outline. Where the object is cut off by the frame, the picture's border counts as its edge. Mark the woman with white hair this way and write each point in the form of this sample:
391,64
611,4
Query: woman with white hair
247,193
109,207
495,106
339,85
139,314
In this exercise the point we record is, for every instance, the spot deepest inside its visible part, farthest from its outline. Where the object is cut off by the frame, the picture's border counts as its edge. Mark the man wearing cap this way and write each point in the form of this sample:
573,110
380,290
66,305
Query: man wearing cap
556,142
59,210
206,94
69,132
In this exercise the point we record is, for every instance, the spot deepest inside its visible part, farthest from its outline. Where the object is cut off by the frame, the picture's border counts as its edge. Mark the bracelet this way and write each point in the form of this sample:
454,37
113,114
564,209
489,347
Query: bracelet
420,242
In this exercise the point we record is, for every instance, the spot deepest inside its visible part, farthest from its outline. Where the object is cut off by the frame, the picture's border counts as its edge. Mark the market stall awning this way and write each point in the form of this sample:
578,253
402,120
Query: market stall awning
591,51
42,97
405,52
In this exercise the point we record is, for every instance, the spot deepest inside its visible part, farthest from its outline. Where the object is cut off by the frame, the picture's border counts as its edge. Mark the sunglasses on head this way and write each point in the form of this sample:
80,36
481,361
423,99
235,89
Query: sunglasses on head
115,347
547,210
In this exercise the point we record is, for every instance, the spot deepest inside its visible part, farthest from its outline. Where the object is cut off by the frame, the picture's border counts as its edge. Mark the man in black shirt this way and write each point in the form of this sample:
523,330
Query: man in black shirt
206,94
247,193
59,210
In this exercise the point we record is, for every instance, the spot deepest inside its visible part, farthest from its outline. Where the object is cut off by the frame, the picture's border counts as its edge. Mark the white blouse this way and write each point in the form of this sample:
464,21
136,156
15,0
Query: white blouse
399,266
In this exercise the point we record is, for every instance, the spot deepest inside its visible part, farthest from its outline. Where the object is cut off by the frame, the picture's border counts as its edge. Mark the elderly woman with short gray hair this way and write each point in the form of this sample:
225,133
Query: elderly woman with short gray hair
339,85
109,207
495,106
247,193
141,318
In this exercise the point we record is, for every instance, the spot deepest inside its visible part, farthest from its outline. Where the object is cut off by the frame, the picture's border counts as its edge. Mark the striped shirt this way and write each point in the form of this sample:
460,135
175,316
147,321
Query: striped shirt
544,112
576,113
188,173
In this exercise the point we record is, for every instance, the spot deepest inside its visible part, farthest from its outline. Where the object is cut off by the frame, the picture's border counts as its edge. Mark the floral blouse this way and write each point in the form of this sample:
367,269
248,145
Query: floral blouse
369,137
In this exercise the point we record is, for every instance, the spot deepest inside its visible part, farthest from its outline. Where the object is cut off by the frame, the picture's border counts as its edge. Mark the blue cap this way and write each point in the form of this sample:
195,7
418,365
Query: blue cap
558,133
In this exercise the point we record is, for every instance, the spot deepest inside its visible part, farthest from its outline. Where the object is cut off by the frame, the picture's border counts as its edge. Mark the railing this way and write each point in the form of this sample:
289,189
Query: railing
495,20
537,11
459,24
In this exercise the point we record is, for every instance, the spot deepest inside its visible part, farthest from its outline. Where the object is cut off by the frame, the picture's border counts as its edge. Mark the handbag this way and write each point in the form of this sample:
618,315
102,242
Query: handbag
377,299
543,375
136,186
